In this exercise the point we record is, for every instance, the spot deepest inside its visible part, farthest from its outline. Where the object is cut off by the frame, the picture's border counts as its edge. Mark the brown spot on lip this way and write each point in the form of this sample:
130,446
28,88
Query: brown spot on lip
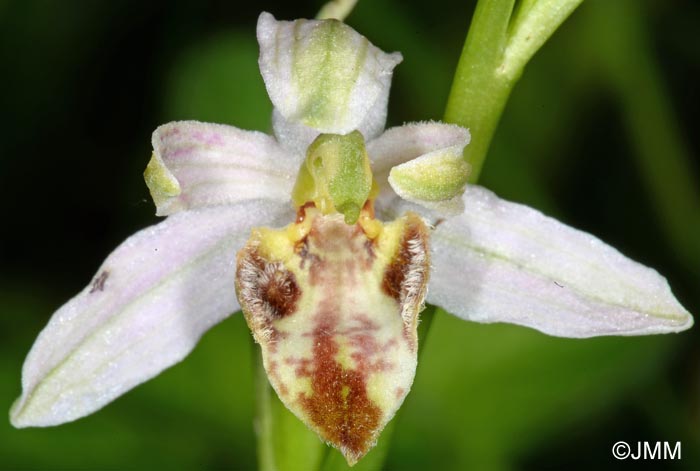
395,275
272,286
405,278
267,292
339,404
282,293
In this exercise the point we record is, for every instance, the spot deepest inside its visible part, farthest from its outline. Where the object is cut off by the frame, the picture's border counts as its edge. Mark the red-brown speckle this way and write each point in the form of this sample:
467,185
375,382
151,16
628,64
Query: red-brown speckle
339,404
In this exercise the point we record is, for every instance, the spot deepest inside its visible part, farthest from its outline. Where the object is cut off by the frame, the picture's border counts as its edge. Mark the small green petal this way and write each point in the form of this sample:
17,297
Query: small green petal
434,177
161,183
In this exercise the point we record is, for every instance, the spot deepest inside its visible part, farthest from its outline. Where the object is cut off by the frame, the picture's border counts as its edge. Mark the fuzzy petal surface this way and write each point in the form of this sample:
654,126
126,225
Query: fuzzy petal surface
504,262
200,164
334,308
144,310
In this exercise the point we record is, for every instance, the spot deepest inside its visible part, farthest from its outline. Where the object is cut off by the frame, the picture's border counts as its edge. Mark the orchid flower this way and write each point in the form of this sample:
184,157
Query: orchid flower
330,235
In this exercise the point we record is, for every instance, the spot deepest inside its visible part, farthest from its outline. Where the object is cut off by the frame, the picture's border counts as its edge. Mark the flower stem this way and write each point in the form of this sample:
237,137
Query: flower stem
499,44
338,9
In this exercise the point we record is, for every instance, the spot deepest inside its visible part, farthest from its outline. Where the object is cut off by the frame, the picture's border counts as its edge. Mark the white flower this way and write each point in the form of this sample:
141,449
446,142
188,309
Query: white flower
160,290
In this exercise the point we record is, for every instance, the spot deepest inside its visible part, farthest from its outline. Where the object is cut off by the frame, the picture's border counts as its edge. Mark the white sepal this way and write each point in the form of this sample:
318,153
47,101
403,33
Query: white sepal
504,262
145,309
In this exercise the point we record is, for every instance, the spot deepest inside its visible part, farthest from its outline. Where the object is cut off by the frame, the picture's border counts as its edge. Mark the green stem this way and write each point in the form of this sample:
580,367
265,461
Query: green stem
497,48
263,416
478,93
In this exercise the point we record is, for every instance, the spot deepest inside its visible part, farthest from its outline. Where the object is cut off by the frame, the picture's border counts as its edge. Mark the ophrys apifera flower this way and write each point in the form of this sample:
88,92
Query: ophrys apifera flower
352,228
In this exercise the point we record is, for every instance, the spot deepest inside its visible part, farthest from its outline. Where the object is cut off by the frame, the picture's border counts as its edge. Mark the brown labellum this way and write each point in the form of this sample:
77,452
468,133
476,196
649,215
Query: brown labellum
334,308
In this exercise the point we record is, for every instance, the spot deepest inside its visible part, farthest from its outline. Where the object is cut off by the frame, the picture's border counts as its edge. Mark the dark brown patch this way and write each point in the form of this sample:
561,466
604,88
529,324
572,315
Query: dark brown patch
282,293
395,273
277,287
339,404
267,292
98,284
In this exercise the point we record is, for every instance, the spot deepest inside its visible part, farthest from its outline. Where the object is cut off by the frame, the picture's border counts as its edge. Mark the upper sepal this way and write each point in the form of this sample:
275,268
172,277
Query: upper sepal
323,77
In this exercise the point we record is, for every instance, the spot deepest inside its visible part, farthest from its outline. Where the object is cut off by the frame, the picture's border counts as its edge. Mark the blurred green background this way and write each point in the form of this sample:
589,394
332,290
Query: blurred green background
600,133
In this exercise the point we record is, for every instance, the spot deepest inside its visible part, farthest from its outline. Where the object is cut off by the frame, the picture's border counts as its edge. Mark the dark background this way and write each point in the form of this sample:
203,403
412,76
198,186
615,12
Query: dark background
601,133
